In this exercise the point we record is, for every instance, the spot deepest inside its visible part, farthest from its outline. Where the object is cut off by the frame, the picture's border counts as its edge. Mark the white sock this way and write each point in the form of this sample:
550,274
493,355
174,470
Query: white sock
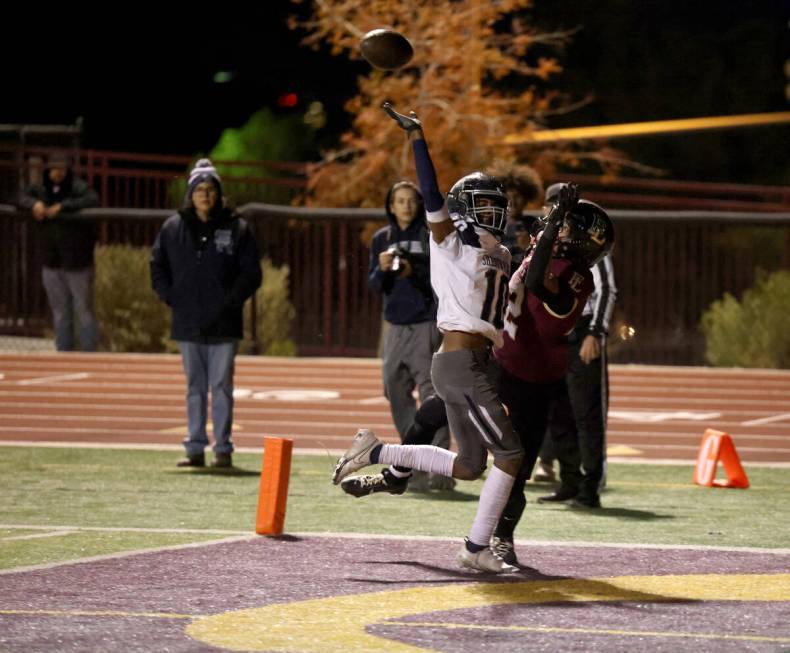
424,457
493,498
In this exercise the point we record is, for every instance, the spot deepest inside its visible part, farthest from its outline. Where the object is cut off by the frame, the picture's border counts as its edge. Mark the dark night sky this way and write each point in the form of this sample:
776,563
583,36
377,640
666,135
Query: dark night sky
141,76
143,81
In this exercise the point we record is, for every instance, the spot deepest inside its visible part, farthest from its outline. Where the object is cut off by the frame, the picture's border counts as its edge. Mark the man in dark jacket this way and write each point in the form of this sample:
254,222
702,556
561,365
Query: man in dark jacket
205,265
400,271
67,240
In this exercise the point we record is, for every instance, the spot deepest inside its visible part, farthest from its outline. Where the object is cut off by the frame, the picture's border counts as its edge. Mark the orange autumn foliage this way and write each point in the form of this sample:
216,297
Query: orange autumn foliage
462,51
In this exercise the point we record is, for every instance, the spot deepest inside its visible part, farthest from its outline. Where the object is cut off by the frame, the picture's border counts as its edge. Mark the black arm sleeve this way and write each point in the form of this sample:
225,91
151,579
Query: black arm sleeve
561,302
426,174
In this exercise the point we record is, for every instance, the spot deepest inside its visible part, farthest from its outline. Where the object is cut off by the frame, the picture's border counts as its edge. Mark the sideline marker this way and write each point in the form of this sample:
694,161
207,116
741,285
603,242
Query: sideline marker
273,493
717,446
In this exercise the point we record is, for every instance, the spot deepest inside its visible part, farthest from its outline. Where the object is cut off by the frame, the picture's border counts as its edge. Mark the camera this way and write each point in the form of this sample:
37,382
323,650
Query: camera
398,256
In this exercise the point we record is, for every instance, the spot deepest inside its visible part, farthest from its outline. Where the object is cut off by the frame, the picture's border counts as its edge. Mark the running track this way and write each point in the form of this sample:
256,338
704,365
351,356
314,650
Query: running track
655,412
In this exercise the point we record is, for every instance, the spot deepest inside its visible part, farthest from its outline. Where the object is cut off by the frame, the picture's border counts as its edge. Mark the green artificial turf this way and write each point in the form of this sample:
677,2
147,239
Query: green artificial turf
128,489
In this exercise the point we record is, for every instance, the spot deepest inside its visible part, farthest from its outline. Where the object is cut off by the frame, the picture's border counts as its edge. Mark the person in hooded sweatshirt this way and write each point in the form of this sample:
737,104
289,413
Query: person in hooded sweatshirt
67,240
204,266
400,272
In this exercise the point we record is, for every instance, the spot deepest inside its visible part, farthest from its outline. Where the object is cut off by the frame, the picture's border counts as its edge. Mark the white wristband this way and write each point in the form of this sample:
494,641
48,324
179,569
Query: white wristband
438,216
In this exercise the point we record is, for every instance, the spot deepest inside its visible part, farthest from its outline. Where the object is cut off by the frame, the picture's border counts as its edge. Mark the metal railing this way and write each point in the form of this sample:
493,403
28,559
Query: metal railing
669,267
158,181
150,181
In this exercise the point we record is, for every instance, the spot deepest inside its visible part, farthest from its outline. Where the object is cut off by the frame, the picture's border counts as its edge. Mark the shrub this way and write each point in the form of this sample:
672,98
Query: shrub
274,313
130,315
133,319
754,332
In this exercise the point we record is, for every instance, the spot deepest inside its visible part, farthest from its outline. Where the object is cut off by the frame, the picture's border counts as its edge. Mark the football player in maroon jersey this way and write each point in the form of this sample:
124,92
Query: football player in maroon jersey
547,295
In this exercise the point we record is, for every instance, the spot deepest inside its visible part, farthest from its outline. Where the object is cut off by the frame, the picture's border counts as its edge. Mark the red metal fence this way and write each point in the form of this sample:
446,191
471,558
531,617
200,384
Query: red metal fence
670,264
669,267
154,181
150,181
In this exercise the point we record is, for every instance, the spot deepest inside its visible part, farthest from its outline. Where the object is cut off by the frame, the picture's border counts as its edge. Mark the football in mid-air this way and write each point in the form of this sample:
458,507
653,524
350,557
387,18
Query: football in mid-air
386,49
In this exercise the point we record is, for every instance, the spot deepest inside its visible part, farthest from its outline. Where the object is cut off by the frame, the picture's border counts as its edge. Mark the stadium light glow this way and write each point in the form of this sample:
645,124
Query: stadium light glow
624,130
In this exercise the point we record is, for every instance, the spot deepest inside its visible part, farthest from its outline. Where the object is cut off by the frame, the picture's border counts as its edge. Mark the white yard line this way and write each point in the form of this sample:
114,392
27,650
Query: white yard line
122,529
333,453
123,554
33,536
364,536
54,379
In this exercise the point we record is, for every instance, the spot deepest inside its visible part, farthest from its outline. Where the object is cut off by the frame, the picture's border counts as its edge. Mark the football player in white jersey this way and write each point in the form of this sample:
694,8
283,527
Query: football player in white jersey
469,274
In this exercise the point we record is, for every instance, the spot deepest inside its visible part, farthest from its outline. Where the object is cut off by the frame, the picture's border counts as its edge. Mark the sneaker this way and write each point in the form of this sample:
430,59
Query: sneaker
441,483
544,473
484,560
222,460
197,460
357,456
559,496
386,481
503,548
586,502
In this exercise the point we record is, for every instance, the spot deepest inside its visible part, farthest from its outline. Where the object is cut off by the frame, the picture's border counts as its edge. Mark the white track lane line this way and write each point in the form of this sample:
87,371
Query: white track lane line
767,420
54,379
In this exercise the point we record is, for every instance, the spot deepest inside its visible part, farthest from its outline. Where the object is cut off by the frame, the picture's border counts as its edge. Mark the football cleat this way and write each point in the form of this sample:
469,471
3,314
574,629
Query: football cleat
484,560
357,456
503,548
385,481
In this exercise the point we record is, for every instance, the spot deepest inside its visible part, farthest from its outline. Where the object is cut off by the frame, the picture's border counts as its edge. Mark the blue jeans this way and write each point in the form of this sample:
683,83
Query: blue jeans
70,292
209,365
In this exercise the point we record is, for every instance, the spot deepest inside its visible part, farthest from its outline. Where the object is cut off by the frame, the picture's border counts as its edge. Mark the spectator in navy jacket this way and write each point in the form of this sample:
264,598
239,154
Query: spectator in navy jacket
204,266
400,271
67,239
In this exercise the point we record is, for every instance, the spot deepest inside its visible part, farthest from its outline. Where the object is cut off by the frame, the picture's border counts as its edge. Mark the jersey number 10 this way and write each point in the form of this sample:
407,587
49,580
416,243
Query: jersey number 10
496,289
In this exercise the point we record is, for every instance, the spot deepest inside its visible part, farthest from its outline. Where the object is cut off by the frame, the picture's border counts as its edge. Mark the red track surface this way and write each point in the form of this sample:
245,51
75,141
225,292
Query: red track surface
655,412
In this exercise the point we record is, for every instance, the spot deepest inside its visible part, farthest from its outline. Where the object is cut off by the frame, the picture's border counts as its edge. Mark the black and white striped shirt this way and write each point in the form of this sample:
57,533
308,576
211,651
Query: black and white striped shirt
600,304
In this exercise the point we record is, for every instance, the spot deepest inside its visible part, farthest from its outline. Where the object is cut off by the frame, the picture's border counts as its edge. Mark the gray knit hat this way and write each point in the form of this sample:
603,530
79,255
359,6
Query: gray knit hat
204,170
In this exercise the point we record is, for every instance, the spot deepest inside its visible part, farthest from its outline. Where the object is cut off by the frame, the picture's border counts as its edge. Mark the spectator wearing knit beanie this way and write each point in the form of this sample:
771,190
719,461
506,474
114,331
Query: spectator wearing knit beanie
205,265
203,172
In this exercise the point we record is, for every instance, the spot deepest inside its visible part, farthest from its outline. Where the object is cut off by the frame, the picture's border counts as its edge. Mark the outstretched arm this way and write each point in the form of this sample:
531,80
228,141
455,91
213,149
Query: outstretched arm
559,297
438,218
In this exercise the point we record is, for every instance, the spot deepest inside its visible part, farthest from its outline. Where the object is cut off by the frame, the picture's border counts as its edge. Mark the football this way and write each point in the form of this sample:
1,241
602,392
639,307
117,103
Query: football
386,49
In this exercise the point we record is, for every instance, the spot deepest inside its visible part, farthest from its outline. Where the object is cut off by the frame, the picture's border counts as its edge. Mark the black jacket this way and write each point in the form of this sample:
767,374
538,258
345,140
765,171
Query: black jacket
407,300
205,272
67,241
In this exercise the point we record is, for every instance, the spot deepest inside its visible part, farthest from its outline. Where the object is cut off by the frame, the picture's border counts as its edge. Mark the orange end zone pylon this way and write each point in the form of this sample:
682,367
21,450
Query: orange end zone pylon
273,493
717,446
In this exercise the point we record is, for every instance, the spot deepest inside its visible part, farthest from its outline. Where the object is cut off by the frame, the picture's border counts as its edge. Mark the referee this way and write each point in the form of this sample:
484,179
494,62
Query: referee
577,422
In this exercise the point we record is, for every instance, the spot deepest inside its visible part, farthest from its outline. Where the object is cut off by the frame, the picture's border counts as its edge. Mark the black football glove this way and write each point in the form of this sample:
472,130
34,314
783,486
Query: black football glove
409,123
566,200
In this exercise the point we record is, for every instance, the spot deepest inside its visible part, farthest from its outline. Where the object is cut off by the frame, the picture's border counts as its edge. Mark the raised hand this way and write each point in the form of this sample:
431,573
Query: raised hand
567,198
408,123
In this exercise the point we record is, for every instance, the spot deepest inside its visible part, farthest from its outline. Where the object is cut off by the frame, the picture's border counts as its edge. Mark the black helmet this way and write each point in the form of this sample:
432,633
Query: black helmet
591,235
465,198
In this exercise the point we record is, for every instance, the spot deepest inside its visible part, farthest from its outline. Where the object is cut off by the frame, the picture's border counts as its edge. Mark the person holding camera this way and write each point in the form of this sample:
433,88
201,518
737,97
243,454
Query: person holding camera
400,271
